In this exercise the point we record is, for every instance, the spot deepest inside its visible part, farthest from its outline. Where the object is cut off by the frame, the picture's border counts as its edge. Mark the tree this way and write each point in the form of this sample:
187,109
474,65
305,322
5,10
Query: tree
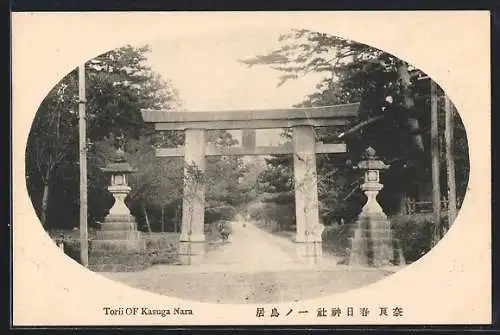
253,167
393,117
353,72
158,183
119,84
51,143
276,186
225,193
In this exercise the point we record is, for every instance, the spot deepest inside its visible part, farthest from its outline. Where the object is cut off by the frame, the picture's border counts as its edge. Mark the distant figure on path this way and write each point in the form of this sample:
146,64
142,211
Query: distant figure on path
224,230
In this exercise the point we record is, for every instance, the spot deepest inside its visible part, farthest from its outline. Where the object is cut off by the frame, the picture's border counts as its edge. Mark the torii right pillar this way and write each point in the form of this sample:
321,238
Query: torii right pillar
309,229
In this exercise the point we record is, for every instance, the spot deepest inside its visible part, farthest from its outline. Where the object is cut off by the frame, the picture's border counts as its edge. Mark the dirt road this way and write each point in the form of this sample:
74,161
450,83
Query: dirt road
253,267
251,249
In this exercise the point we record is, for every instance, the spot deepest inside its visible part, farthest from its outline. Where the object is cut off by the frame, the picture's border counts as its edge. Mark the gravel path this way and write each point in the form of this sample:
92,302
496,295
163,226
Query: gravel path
254,267
251,249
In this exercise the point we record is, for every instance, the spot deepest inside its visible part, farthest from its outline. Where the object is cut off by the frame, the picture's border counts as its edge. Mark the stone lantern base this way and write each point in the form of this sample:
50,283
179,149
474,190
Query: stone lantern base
119,233
372,243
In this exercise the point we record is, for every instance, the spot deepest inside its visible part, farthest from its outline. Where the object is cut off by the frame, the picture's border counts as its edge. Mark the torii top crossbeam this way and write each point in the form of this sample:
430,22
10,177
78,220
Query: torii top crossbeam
252,119
327,116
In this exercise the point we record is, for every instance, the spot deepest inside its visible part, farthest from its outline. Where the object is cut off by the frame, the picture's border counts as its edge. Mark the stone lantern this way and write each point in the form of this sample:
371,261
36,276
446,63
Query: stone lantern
119,229
372,243
371,167
119,169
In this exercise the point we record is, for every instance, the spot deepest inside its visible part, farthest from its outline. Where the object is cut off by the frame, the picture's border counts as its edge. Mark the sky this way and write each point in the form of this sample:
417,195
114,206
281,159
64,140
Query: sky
205,70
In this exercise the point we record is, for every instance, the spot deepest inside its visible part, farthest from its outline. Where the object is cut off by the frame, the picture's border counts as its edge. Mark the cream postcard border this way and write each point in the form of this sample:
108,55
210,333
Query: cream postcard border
451,284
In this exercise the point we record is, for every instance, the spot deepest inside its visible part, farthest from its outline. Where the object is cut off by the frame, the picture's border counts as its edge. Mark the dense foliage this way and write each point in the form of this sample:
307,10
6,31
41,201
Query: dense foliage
394,119
119,84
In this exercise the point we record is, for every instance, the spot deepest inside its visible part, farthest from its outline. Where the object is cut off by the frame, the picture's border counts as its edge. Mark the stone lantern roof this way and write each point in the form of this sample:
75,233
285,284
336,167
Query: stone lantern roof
119,164
371,161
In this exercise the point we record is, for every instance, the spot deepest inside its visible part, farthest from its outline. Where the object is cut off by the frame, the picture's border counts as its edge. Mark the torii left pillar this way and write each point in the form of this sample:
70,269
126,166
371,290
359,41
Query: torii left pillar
192,239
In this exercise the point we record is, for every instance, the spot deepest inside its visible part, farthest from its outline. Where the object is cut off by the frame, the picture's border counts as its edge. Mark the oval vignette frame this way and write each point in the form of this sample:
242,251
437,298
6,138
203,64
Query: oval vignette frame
418,262
97,64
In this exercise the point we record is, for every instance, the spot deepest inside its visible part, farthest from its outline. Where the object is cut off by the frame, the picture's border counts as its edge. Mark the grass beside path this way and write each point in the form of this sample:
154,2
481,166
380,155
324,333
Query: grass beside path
161,248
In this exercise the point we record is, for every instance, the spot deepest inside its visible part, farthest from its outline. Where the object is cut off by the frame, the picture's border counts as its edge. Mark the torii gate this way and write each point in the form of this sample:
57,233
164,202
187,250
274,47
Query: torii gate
303,147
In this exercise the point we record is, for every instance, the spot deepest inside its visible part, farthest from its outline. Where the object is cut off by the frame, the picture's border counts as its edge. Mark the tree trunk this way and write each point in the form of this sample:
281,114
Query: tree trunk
436,191
176,219
162,220
45,203
450,162
146,217
403,200
409,103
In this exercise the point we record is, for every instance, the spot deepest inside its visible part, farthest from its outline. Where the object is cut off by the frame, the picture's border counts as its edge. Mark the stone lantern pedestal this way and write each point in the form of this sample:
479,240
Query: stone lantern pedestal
119,229
372,243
